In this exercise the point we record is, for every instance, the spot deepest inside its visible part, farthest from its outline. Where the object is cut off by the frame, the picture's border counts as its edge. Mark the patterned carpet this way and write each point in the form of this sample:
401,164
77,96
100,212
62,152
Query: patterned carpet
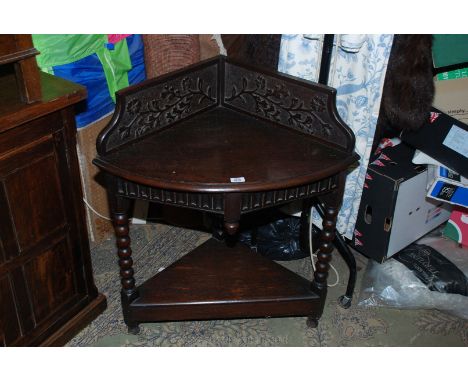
156,246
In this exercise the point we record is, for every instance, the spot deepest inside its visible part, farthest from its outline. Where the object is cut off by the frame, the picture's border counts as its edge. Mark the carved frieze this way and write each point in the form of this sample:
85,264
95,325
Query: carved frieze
214,202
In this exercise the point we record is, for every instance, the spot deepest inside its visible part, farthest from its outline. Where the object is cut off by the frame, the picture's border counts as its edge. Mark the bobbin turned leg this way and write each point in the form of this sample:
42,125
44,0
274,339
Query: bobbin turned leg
232,212
331,206
319,283
326,247
120,207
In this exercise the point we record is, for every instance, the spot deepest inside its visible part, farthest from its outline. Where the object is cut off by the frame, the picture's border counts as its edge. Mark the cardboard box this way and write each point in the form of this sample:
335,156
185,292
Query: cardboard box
394,211
457,226
94,192
451,97
444,139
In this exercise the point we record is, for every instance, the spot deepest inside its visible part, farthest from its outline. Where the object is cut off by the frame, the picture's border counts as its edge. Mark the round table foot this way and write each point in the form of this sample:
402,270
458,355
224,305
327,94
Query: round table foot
134,329
312,322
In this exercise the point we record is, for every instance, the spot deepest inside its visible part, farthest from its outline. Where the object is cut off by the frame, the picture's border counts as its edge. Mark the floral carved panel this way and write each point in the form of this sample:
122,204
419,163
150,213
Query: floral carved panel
279,101
158,106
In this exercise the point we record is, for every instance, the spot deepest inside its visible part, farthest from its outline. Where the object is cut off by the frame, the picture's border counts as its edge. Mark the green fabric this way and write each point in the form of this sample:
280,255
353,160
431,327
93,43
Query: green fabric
60,49
116,64
449,49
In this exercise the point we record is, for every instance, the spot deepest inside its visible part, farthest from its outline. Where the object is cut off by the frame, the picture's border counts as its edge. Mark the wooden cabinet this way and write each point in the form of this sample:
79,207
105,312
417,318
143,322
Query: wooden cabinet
47,292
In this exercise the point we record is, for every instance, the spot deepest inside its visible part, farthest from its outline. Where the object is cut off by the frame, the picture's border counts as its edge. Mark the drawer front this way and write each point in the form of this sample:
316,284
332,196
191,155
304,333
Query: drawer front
22,137
39,246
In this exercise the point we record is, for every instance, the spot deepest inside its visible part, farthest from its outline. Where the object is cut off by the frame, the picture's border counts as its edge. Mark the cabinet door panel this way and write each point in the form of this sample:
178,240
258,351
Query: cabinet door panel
9,325
8,245
38,243
22,300
50,279
34,191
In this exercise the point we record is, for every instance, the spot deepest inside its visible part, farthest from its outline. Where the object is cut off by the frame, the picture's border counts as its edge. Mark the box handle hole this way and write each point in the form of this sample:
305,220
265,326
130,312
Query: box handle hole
368,214
388,224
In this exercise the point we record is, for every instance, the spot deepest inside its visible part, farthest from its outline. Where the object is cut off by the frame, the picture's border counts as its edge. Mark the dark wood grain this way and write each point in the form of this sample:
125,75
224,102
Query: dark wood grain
14,48
56,94
20,52
215,282
10,328
215,202
76,322
225,144
27,73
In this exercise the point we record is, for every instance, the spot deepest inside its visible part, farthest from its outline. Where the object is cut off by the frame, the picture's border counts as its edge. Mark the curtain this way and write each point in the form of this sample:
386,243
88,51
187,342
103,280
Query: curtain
357,71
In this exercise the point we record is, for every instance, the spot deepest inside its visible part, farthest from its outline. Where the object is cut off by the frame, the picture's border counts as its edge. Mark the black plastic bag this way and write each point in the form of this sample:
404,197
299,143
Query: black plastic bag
279,239
433,269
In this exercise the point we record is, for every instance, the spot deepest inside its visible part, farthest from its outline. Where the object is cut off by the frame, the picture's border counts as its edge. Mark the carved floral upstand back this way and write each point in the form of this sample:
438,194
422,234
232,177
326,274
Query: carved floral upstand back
229,139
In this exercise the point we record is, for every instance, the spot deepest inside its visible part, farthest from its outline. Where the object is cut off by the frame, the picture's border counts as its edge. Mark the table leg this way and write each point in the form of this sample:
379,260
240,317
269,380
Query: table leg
326,247
332,203
232,213
319,283
120,210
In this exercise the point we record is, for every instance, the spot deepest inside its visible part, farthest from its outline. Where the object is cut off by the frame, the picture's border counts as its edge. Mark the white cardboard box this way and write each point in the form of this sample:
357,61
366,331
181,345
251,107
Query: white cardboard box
451,97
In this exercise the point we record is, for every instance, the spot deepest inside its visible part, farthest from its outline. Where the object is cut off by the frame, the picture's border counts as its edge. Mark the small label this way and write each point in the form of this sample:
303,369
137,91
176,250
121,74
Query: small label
446,173
447,191
457,140
240,179
454,176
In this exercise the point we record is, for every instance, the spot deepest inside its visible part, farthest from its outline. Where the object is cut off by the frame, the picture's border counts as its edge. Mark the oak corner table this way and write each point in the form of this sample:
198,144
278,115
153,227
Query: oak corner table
229,139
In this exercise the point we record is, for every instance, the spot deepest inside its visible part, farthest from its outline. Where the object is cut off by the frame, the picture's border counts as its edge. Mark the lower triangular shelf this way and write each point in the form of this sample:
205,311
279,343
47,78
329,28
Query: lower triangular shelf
215,281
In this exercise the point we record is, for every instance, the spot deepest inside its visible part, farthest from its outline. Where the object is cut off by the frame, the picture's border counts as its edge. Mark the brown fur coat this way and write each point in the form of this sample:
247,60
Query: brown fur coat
409,88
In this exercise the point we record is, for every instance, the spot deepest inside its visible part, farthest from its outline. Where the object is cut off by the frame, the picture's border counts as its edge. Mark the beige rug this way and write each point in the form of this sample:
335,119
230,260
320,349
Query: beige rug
156,245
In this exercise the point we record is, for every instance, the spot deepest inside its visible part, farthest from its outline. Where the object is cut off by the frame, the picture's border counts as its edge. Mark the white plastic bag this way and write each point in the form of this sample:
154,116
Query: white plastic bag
392,284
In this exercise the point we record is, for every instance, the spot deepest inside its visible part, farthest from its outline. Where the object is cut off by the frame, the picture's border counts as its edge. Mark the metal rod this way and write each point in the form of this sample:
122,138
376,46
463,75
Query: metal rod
327,50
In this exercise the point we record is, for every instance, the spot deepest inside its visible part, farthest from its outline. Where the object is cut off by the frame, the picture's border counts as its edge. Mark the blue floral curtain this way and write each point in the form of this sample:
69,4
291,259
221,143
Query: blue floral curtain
357,71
